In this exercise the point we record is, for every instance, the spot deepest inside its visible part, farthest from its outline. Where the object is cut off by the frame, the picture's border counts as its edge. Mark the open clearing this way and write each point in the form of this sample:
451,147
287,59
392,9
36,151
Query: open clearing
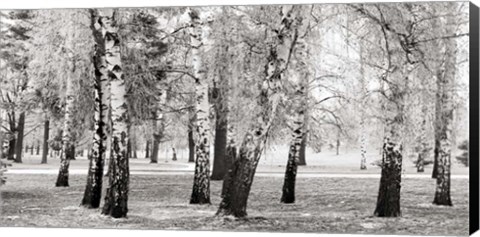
324,205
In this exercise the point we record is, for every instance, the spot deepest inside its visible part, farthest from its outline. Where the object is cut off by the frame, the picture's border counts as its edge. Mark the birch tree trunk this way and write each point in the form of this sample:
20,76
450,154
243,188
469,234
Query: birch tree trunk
444,121
297,133
67,146
158,124
116,199
298,79
93,190
201,180
239,180
388,201
363,101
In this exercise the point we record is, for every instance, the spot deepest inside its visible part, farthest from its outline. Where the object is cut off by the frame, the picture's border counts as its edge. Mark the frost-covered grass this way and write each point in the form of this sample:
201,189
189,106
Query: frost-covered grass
326,205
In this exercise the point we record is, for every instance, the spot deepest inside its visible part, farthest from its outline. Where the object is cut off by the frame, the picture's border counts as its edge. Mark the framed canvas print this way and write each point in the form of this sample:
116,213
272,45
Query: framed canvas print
325,118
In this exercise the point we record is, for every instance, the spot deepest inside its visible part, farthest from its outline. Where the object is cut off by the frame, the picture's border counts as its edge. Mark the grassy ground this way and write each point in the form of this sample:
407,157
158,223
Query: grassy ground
325,205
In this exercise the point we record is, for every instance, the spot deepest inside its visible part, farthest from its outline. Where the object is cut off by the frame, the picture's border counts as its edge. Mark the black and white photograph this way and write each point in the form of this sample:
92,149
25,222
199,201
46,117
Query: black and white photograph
327,118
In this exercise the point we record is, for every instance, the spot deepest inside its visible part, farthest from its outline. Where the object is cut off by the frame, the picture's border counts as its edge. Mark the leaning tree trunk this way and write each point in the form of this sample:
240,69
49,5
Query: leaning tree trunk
116,199
445,83
298,79
239,179
201,179
93,190
19,142
67,146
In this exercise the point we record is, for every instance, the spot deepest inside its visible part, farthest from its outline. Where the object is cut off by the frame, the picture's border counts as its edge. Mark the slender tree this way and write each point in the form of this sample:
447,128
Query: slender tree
444,117
93,190
298,77
201,181
67,146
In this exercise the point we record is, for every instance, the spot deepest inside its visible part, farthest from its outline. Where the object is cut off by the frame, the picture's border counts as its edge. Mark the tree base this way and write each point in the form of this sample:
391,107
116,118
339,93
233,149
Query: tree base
442,201
287,199
217,177
200,201
62,183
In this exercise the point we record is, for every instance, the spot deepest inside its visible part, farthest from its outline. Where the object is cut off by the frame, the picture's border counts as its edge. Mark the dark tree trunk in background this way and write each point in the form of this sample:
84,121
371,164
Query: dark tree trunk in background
220,144
174,154
134,146
129,148
38,149
154,157
303,146
147,149
191,145
420,163
72,152
11,149
13,139
337,145
26,148
31,149
19,145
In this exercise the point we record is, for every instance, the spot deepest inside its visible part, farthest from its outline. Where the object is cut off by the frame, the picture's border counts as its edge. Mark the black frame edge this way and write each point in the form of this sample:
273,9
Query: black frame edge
474,118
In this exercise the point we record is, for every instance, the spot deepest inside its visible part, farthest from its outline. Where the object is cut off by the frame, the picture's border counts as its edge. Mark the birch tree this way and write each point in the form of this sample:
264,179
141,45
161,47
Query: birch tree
116,199
199,33
67,146
239,178
444,113
298,76
93,189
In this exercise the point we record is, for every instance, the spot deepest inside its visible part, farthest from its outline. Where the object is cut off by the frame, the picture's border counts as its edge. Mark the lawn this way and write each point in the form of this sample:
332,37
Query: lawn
324,205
